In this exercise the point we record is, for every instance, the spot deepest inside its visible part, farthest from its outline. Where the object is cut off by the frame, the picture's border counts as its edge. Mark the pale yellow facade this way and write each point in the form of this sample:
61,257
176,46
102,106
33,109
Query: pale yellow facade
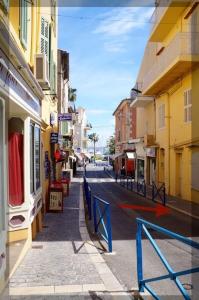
169,73
19,54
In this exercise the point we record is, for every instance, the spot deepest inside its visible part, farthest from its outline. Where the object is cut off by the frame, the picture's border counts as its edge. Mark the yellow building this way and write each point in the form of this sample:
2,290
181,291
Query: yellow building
25,61
47,52
169,74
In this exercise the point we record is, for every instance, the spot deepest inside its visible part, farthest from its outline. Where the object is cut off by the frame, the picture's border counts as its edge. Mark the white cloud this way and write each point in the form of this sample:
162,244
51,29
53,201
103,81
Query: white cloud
120,21
114,47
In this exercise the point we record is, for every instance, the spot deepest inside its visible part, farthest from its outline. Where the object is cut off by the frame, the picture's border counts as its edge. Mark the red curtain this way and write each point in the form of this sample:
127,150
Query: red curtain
16,185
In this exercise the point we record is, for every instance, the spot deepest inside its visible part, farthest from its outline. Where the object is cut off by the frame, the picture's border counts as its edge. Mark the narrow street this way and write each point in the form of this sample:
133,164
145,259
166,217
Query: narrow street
123,260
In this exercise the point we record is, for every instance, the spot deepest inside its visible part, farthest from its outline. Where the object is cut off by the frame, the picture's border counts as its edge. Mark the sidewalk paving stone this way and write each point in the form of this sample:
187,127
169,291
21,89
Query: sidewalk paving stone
63,260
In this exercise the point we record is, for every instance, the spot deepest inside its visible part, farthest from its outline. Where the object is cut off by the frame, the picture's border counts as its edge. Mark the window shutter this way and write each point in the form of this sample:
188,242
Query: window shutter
187,106
44,37
23,22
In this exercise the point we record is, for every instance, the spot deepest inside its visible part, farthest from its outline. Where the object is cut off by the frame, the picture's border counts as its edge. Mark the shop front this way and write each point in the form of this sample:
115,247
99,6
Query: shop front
21,96
151,165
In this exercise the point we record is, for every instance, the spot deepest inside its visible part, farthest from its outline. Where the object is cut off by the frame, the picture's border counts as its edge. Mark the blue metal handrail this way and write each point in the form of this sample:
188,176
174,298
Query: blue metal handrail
141,188
102,220
159,192
88,197
142,225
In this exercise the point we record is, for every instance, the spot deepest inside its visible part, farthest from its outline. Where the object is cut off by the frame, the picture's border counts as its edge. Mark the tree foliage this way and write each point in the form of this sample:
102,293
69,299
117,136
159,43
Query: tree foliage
111,144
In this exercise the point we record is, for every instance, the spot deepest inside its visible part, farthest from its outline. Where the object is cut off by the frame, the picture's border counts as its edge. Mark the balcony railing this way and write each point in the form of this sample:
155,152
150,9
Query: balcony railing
182,48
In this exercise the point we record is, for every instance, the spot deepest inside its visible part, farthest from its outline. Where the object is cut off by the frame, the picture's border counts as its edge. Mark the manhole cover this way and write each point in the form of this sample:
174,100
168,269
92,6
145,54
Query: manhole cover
37,247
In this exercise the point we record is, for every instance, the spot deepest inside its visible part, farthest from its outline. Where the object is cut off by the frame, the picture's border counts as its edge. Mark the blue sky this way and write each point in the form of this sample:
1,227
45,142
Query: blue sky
106,46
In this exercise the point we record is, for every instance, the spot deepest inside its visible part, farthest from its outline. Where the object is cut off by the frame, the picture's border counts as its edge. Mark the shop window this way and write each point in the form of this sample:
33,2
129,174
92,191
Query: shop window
23,22
17,220
35,157
140,169
187,106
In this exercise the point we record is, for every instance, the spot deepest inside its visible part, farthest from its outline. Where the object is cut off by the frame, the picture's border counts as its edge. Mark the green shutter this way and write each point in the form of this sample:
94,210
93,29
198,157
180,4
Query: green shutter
64,126
44,37
23,22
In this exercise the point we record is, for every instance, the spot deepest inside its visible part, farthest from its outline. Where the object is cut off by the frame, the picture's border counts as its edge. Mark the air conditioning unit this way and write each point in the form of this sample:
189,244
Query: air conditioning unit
41,71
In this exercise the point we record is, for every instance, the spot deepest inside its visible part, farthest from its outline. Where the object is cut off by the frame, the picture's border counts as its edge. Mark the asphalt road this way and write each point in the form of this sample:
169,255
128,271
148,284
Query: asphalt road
123,260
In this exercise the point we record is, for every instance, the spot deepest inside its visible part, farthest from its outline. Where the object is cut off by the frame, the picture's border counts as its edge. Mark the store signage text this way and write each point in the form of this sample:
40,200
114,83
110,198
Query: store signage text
12,81
54,137
65,117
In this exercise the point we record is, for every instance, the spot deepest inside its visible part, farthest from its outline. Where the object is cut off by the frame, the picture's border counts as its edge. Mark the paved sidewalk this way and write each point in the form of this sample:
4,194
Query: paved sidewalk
63,263
184,206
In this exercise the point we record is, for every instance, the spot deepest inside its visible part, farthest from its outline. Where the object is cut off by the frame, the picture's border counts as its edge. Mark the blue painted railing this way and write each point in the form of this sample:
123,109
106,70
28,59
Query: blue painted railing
158,192
102,220
88,197
99,210
143,225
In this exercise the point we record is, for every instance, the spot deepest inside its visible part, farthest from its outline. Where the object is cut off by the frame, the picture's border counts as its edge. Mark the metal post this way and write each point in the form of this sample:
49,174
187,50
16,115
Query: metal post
94,214
109,231
153,191
139,256
144,188
164,196
89,204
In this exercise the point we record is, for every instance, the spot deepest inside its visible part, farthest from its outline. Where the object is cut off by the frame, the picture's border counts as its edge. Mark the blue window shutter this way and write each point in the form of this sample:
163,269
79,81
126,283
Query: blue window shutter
23,22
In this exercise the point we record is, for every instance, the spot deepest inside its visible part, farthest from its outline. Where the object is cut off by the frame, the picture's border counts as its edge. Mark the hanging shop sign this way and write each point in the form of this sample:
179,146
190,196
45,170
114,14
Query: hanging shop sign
12,81
54,138
47,165
55,198
150,152
65,117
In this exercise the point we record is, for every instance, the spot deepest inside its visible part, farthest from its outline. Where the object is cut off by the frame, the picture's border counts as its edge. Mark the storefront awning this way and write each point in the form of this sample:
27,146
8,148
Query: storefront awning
72,157
117,155
87,155
130,155
78,155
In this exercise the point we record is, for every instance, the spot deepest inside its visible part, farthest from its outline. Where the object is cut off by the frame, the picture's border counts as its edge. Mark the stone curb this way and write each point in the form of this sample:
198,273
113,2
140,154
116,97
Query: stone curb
109,280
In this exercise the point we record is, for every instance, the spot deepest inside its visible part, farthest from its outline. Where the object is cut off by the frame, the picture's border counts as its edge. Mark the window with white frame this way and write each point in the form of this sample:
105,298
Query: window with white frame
187,106
35,149
161,116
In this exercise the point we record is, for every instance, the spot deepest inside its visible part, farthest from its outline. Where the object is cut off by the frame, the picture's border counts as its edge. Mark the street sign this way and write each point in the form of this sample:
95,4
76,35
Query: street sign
55,202
54,138
65,117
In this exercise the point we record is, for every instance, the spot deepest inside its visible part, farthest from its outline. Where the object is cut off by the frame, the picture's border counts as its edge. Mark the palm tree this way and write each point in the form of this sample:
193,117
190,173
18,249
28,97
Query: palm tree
93,137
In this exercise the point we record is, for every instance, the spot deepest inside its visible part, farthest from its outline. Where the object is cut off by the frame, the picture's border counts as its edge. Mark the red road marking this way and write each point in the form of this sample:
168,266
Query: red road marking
159,209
